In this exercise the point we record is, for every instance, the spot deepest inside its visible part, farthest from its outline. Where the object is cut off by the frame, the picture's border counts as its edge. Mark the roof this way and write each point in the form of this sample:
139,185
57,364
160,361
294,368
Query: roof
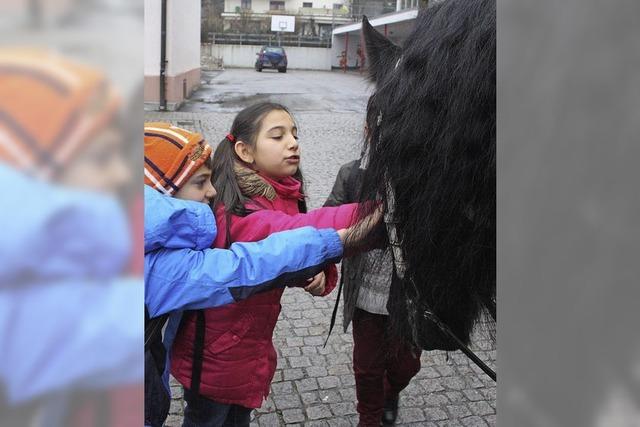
390,18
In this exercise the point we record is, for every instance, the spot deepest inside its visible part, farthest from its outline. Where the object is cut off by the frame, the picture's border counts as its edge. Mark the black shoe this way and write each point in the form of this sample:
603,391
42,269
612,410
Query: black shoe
390,412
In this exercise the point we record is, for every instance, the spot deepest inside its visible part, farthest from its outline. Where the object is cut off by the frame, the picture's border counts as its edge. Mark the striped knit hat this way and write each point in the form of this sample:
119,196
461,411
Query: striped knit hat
50,108
171,156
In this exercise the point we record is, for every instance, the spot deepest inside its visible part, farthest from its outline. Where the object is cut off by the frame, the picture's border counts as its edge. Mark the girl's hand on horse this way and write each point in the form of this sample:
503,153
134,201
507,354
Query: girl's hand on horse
364,235
316,284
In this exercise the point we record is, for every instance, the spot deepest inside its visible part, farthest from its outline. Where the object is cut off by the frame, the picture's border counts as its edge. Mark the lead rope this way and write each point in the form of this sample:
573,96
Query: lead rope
335,308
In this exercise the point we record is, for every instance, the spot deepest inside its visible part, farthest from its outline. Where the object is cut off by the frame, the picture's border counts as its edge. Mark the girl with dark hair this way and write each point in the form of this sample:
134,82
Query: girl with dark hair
225,357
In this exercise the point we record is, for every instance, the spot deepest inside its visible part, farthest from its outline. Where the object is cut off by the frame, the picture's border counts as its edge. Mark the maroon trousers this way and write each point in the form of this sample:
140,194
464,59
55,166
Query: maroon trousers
383,366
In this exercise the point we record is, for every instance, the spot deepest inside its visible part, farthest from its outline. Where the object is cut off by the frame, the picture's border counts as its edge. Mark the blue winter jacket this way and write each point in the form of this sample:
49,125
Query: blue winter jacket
183,273
68,318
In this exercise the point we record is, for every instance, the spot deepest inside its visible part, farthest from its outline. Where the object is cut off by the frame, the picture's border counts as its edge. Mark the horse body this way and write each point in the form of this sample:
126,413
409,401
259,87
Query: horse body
431,158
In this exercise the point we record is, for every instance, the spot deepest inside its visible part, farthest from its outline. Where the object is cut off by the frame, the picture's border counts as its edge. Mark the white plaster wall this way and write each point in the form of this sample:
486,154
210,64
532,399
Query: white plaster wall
151,37
309,58
305,58
338,45
183,36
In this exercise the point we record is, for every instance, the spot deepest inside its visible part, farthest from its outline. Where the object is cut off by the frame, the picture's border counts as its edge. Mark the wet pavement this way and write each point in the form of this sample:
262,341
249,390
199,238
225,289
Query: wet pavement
232,90
313,384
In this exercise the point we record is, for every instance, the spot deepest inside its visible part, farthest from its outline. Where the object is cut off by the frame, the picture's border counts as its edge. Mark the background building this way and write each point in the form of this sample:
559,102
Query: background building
396,26
371,8
410,4
172,62
313,18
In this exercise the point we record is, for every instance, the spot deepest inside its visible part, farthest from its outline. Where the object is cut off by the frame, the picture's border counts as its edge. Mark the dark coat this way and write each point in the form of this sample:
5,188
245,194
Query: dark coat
366,277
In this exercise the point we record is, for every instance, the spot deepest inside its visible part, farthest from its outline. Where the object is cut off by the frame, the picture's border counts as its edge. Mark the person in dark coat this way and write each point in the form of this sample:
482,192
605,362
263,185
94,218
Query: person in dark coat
383,364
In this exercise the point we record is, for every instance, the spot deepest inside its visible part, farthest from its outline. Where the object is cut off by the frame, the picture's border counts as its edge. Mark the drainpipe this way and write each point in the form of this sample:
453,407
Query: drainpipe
163,55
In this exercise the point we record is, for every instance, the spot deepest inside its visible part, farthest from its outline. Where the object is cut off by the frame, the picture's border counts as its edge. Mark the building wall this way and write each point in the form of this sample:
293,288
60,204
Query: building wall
370,8
258,6
177,86
340,43
262,6
317,20
183,41
304,58
407,4
151,38
316,3
400,25
182,55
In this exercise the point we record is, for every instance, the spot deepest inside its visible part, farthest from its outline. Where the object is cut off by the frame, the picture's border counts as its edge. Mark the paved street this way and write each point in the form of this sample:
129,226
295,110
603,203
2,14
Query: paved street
302,91
314,385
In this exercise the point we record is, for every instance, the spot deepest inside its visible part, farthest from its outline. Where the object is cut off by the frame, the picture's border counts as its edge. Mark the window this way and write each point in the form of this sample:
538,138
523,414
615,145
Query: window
337,6
274,50
307,4
408,4
245,4
276,5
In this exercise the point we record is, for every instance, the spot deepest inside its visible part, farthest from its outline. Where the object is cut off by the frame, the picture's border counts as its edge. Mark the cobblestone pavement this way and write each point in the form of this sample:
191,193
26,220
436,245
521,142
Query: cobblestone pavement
313,384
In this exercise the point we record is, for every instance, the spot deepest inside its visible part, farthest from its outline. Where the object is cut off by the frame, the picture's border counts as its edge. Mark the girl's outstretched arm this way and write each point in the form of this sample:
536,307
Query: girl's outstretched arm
262,223
181,279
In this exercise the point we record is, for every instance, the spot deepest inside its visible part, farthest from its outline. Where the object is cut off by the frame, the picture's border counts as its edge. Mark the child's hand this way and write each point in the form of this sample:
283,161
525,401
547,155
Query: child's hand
363,235
316,284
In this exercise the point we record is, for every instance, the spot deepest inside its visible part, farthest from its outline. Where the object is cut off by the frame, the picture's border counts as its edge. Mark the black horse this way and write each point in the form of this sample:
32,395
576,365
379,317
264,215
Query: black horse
430,155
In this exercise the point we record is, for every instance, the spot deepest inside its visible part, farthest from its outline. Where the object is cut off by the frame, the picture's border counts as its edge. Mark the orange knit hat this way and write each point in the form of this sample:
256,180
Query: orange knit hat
50,107
171,156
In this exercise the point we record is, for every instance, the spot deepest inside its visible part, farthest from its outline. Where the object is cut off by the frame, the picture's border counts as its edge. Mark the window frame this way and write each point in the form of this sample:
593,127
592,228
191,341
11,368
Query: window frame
278,2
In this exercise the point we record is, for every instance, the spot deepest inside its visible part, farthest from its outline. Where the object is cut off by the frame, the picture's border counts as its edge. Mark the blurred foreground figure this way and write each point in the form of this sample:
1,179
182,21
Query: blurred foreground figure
70,319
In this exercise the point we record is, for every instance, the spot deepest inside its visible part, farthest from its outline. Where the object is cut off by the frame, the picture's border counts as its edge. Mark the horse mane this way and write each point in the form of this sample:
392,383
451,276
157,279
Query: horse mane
431,138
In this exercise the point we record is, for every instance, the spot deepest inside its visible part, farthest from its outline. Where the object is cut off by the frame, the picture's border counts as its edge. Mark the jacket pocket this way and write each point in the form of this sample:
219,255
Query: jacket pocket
233,336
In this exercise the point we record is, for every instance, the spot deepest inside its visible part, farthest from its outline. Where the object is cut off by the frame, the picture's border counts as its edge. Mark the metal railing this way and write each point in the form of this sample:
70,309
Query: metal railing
317,11
301,11
292,40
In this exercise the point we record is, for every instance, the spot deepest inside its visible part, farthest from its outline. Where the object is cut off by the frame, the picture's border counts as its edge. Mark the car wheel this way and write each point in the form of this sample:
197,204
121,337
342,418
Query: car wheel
282,70
259,69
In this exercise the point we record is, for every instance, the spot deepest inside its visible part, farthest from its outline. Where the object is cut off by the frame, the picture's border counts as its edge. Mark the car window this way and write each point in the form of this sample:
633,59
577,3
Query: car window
275,50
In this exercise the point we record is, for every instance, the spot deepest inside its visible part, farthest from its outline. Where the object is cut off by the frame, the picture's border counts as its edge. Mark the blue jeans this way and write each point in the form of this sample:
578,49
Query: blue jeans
202,412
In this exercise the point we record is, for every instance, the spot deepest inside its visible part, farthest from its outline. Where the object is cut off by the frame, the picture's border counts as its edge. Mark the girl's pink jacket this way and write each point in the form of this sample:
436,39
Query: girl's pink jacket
239,359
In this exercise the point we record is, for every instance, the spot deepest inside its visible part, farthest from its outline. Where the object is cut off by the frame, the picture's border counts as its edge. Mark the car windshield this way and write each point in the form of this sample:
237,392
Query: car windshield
274,50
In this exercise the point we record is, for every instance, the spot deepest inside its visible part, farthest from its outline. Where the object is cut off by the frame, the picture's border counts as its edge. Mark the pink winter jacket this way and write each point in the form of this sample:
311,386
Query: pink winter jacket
239,359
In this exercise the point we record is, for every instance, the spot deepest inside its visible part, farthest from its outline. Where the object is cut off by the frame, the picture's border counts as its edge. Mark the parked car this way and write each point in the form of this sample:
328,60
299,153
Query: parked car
272,57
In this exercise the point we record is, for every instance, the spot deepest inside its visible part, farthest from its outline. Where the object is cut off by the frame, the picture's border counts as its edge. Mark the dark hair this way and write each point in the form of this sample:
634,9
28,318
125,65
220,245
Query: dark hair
432,132
245,128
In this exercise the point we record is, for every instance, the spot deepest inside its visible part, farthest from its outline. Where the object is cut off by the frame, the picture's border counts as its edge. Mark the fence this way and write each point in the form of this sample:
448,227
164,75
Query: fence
292,40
